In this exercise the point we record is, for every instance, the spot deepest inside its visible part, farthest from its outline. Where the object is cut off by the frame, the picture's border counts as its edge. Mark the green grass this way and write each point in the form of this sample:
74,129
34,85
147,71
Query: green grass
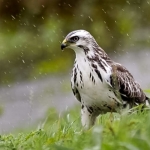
127,132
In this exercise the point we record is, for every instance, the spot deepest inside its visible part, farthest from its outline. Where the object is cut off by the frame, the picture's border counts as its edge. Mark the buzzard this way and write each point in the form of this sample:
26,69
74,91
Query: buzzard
100,84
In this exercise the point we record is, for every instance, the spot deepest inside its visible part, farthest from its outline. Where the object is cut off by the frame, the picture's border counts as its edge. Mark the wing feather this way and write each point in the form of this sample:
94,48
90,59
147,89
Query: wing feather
123,81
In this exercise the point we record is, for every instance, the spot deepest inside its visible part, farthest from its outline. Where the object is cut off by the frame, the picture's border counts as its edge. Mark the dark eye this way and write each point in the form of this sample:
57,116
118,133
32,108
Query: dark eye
74,39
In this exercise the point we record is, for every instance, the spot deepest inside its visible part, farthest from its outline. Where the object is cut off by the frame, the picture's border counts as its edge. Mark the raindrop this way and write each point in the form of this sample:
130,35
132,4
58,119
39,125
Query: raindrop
34,25
107,28
68,117
13,18
90,18
104,11
23,61
69,5
9,85
128,2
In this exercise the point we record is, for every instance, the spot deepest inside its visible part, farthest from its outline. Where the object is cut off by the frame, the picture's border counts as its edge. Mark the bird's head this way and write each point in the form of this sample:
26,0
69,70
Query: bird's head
76,40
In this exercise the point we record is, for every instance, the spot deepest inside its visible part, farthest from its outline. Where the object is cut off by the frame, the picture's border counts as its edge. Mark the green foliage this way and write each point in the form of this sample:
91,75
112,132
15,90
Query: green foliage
127,132
31,32
28,56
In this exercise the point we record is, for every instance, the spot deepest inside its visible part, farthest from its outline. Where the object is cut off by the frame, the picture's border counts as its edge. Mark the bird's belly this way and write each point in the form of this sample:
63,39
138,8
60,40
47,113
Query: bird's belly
94,88
99,96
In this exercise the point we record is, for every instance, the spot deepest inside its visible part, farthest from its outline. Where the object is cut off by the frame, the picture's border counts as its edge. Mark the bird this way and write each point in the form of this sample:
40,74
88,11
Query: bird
100,84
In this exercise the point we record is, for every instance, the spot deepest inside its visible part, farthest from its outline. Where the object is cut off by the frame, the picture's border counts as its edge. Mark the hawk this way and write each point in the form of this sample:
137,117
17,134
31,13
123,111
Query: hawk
100,84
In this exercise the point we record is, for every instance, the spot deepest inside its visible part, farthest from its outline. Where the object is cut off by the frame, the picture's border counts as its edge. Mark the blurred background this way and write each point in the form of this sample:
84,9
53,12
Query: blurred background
35,74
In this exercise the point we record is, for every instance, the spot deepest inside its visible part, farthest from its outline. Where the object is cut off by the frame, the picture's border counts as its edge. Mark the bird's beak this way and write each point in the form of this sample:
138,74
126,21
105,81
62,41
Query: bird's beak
64,44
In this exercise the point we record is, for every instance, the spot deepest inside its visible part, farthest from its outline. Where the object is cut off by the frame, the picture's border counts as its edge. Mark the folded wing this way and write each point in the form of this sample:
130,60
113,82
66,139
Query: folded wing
123,82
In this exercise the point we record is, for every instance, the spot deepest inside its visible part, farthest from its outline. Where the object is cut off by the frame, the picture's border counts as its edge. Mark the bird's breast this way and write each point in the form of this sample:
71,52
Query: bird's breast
93,85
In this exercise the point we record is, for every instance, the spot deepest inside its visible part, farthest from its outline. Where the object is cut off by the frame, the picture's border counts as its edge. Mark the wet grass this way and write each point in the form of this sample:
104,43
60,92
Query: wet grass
127,132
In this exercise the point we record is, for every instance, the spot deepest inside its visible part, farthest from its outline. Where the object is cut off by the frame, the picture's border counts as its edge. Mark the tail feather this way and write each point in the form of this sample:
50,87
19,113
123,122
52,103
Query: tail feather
147,101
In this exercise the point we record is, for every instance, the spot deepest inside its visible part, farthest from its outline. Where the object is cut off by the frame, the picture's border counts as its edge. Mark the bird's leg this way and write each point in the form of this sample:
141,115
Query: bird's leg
87,117
111,117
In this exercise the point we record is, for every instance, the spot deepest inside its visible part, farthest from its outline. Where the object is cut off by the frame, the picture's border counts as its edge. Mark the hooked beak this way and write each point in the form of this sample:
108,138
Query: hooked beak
64,44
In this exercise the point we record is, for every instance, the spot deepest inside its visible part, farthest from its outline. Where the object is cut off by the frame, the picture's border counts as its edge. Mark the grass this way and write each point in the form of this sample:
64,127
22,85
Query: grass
127,132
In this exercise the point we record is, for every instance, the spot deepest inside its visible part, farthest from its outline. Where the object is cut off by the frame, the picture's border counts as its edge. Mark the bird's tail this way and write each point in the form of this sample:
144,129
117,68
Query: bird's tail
147,101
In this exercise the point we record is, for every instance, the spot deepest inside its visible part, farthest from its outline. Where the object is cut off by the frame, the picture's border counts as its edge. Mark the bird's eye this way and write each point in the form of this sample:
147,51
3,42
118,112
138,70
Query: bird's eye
74,39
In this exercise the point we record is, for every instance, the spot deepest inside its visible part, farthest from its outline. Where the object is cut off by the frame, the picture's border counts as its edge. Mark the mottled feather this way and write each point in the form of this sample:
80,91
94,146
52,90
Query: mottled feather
123,81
